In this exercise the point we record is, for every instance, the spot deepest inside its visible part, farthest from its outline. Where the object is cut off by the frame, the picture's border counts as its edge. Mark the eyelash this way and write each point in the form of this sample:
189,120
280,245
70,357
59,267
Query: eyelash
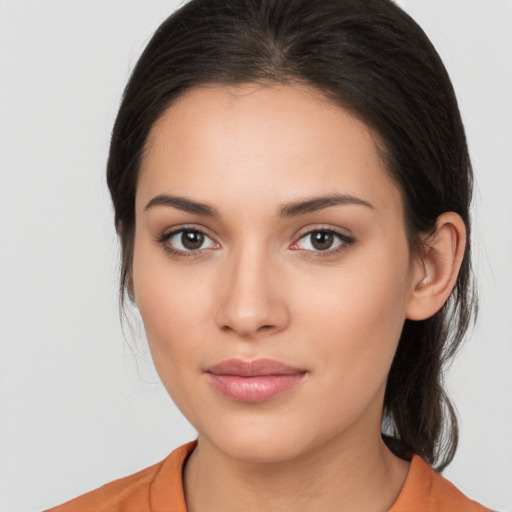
178,253
345,243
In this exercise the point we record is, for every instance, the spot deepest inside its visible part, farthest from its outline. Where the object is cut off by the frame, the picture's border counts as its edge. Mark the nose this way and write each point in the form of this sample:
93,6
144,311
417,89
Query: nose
252,299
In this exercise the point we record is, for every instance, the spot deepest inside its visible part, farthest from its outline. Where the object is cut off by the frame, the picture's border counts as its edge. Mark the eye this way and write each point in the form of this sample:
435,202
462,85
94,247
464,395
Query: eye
188,240
322,240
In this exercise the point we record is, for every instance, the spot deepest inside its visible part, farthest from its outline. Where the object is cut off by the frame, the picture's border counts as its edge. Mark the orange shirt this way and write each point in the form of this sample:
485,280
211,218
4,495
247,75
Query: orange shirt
159,488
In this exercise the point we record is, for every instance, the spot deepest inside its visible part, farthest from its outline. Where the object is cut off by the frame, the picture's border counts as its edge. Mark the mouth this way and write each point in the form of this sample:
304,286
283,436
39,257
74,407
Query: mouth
253,381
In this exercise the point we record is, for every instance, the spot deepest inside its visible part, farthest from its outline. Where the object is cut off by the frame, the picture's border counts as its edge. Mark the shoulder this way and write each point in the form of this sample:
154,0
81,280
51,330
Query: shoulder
151,489
426,490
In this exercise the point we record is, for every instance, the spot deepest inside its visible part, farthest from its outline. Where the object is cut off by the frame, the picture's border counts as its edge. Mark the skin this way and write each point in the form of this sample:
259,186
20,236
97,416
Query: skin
258,288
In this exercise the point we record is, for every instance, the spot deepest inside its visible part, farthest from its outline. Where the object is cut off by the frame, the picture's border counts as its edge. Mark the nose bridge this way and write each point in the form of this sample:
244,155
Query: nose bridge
251,301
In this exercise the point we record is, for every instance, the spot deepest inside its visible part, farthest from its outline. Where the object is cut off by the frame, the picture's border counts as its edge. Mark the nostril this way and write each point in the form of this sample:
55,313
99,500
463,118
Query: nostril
266,328
250,314
262,330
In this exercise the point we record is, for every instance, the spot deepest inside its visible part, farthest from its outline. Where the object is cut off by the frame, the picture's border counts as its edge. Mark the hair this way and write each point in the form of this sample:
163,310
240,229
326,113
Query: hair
372,59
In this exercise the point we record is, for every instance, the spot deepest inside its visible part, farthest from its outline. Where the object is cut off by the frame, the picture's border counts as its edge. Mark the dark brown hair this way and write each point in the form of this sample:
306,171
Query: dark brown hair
371,58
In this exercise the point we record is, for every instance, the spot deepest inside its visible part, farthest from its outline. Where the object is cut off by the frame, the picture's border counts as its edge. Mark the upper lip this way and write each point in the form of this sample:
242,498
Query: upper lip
255,368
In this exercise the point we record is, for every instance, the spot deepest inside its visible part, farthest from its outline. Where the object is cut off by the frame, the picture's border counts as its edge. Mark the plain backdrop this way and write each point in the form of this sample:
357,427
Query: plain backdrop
80,404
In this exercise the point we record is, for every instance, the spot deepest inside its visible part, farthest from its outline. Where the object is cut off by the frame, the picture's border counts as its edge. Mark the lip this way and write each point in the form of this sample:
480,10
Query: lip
253,381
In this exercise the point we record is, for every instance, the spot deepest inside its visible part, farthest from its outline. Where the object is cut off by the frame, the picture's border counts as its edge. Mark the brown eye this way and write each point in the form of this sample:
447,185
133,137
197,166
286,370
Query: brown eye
322,240
187,241
192,240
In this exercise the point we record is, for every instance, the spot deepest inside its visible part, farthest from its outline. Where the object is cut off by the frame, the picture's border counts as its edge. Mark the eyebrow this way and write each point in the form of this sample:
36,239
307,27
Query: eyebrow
181,203
319,203
288,210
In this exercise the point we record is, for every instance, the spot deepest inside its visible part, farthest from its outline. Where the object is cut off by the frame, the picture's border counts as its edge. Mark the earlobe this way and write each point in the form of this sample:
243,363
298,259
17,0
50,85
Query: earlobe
437,268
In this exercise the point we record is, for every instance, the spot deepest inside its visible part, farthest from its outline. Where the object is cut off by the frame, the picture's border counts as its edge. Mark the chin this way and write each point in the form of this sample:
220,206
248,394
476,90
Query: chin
264,441
260,449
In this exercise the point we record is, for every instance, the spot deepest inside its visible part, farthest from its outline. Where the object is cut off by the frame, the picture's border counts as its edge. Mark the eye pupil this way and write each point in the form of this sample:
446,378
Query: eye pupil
322,240
192,239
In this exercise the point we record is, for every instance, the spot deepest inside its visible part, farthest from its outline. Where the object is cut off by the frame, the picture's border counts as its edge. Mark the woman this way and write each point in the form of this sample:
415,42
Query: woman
291,186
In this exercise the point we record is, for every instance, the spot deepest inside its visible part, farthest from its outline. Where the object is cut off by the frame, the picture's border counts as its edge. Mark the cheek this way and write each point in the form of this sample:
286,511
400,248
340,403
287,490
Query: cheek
358,313
171,314
171,318
173,307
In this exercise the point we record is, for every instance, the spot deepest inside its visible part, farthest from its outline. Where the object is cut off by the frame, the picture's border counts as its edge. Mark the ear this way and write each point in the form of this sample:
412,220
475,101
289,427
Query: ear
436,269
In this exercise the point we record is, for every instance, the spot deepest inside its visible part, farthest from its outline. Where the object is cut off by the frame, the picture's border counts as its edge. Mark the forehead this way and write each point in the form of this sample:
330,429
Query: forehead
276,142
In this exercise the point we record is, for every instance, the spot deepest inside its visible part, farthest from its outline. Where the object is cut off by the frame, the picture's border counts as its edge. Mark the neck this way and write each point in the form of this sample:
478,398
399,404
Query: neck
343,475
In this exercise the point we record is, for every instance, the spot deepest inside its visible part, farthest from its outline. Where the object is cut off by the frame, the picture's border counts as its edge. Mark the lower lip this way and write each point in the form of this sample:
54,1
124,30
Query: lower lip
254,389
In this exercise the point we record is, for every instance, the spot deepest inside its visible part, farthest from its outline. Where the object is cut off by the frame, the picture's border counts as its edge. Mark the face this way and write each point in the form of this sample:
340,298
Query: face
271,269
